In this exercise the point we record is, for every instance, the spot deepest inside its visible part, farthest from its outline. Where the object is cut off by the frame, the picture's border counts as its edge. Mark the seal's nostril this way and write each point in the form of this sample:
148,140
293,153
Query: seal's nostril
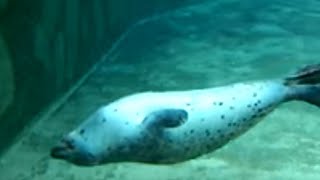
69,143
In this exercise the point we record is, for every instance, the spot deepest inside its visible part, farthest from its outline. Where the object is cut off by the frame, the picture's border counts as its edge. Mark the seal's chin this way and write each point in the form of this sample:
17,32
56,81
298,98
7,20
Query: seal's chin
77,156
59,153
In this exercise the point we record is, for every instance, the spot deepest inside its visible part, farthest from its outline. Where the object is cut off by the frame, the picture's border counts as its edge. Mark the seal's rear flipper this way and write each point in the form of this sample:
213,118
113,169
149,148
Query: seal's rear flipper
309,74
166,118
305,84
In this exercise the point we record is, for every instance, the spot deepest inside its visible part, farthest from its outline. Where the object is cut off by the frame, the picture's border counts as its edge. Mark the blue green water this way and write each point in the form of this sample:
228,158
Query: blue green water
210,44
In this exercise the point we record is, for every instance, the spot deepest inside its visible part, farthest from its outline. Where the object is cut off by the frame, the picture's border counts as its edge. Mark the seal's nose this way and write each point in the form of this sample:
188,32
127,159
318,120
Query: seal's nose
68,143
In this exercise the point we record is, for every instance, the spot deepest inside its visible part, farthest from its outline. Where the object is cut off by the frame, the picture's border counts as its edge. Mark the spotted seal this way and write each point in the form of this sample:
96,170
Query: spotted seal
175,126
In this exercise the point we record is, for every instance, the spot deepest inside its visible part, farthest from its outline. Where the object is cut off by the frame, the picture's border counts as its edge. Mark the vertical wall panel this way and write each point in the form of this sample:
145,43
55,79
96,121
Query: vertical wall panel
6,77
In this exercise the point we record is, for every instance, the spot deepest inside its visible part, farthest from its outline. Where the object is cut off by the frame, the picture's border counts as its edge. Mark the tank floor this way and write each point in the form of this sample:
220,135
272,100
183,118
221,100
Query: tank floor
211,44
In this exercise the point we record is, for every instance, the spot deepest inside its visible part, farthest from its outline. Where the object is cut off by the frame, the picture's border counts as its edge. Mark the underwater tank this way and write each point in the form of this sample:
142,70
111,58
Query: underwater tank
62,60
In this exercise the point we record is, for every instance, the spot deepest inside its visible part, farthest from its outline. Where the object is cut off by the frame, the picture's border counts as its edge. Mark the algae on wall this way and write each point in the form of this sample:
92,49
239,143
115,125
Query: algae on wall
47,45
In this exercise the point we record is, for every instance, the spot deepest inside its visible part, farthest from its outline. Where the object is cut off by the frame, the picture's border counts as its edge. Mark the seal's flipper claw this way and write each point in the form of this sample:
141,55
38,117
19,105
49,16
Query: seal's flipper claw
167,118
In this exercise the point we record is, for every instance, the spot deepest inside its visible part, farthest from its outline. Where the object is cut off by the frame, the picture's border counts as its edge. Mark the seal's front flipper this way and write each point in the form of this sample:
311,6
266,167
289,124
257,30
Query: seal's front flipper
166,118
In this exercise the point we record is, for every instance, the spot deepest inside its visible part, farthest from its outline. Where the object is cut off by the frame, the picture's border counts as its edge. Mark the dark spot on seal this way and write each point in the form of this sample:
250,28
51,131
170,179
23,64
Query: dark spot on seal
191,131
259,101
127,123
244,119
234,124
249,105
213,139
82,131
104,120
187,148
219,130
214,103
115,110
207,132
255,104
188,104
231,107
254,94
261,115
220,103
121,148
170,140
233,98
150,147
229,124
260,110
202,119
222,116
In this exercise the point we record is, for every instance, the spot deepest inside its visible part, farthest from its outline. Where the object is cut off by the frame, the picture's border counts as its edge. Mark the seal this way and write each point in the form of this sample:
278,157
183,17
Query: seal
175,126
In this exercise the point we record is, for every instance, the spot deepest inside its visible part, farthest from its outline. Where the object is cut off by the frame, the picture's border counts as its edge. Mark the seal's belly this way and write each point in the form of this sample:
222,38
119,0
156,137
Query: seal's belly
215,116
221,115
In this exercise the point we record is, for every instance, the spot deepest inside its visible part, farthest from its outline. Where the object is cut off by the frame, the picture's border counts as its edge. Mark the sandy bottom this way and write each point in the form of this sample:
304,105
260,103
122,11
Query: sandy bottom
206,45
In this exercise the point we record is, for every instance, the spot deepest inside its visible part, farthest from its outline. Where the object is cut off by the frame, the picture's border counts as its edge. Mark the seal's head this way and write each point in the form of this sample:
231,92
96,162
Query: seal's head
97,140
110,136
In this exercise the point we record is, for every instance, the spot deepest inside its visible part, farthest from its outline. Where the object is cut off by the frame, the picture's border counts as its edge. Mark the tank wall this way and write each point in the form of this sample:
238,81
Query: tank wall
46,45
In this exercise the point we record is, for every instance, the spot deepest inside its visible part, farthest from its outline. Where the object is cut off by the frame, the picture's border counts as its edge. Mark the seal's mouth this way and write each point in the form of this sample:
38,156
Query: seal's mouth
63,150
